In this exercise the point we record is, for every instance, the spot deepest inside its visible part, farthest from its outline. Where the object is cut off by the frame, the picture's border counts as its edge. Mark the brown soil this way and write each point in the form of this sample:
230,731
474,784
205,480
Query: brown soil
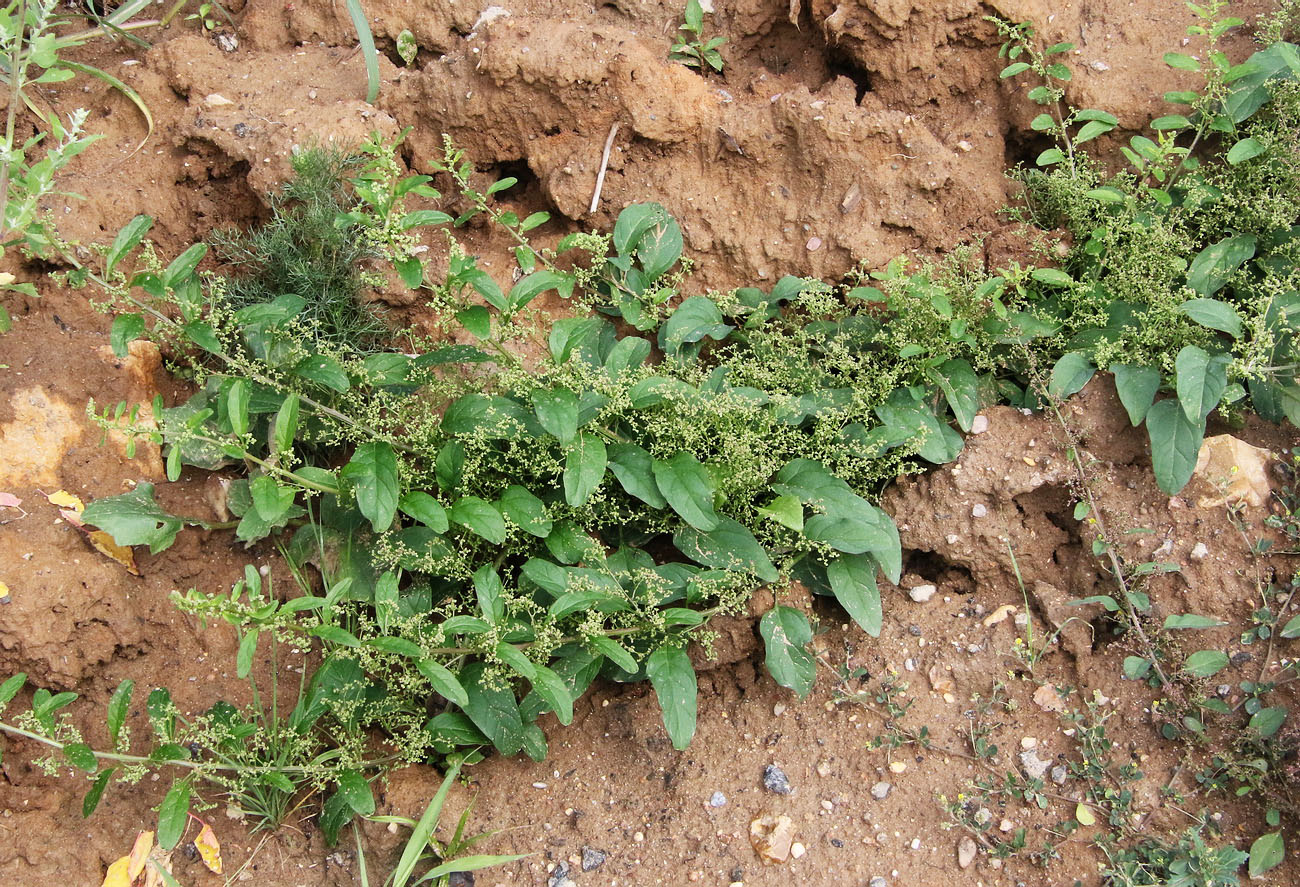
840,133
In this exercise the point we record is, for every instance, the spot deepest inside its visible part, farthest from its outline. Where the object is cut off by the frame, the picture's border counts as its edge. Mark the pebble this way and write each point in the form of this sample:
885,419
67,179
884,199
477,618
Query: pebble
979,425
778,709
914,630
797,850
592,858
1006,825
1028,742
978,511
775,780
966,850
1058,774
560,876
922,593
1034,766
217,100
717,799
880,790
227,42
877,881
772,838
814,244
1199,551
828,806
897,766
823,767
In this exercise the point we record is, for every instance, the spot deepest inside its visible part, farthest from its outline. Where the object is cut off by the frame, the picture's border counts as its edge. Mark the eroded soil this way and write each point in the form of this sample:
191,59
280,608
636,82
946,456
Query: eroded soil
839,133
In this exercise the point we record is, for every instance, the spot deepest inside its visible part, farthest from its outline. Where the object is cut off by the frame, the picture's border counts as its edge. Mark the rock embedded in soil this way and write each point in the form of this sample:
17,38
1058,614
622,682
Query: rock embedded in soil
1034,766
560,876
717,799
775,780
592,858
877,882
880,790
966,850
922,593
772,838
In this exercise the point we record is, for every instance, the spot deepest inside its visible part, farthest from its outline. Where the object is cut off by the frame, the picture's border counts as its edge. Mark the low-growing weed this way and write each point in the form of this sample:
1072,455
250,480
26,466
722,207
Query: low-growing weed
690,49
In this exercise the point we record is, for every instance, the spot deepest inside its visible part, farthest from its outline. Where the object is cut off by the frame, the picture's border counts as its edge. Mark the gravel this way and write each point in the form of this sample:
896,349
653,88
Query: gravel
775,780
880,790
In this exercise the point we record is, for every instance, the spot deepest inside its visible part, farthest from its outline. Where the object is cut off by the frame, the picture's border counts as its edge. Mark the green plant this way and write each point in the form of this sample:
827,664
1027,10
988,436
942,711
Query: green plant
447,858
368,51
689,49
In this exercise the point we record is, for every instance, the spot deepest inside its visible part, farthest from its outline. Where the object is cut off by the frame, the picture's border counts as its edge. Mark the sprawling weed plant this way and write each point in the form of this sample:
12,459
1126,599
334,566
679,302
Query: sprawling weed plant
501,514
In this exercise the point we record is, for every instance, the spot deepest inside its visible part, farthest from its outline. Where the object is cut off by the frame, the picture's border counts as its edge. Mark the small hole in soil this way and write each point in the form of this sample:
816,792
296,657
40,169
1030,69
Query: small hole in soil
936,569
520,170
839,65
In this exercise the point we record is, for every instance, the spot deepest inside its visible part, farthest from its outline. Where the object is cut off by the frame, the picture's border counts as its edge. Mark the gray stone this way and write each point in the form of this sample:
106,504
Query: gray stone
775,780
717,799
592,858
880,790
1034,766
560,876
1058,774
877,881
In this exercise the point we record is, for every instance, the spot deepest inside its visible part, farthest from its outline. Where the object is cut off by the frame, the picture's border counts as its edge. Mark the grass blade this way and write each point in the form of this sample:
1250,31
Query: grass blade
428,822
120,87
367,48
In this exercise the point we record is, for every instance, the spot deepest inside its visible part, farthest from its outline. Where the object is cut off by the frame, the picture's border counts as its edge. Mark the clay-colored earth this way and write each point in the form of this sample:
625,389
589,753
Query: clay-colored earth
840,133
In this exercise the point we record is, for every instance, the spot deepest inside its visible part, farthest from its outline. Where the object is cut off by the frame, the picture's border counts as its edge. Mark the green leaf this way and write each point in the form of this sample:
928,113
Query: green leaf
323,370
476,320
79,755
373,473
490,593
1106,194
584,468
247,649
1052,277
960,386
134,518
533,285
479,517
1050,156
648,231
1136,668
97,786
335,812
1213,265
1202,378
526,511
422,217
270,500
1013,69
1191,620
172,815
493,710
730,546
688,488
1069,375
673,678
1137,387
183,265
697,318
126,240
1170,122
1181,61
126,329
1091,130
1267,721
286,424
634,469
1267,852
786,634
552,688
1175,444
118,706
1205,663
557,411
424,508
786,511
335,635
853,582
356,792
1246,149
1213,314
1290,630
443,681
615,652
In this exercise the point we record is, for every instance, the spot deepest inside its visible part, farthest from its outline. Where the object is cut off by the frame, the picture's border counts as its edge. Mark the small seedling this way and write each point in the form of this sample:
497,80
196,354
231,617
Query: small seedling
689,49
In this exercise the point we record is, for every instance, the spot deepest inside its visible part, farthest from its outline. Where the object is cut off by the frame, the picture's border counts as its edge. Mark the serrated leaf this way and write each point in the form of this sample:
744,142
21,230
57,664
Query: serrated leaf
673,679
786,634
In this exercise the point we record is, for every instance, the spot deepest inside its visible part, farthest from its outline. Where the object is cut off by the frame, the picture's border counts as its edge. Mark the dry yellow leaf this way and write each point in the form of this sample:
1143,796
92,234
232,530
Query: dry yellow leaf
159,861
139,853
4,593
1084,815
64,499
104,544
209,849
117,874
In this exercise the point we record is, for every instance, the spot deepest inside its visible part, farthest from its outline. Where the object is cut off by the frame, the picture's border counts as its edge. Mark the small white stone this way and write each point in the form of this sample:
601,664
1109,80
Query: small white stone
1028,742
922,593
978,511
952,538
979,425
778,709
797,850
1199,551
